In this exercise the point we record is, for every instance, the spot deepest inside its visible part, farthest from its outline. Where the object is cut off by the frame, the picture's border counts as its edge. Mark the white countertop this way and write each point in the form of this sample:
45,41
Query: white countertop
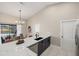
22,49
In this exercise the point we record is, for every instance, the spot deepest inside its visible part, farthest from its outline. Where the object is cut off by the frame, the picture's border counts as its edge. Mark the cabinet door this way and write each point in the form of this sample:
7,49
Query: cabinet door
43,45
34,48
40,47
47,42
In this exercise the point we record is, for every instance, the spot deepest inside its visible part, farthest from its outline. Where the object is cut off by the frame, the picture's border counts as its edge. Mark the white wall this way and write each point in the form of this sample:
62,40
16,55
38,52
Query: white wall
49,19
8,19
4,18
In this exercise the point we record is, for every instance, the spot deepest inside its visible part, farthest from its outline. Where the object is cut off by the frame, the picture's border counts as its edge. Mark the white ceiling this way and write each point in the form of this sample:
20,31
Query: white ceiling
28,8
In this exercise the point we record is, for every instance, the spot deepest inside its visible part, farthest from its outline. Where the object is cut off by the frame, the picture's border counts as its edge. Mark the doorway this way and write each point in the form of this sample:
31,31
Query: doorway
68,35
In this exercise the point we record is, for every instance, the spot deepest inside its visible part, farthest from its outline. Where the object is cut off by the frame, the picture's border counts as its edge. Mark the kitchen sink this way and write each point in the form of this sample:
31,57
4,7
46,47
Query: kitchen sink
39,38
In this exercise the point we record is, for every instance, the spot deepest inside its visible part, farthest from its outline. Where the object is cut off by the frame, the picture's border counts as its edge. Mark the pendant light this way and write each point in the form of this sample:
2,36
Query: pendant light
20,21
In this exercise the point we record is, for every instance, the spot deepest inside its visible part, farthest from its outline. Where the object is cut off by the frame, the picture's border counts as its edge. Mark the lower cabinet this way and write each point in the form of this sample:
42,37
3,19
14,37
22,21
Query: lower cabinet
41,46
34,48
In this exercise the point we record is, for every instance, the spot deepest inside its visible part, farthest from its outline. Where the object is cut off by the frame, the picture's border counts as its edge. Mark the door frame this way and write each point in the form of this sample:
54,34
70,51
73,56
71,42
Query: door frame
61,27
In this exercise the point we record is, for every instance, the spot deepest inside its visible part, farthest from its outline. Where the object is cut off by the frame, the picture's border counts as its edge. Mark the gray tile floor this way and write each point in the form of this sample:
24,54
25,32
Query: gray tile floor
58,51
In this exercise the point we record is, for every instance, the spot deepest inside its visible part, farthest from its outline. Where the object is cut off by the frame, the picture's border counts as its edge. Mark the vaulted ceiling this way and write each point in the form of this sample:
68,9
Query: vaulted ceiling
28,8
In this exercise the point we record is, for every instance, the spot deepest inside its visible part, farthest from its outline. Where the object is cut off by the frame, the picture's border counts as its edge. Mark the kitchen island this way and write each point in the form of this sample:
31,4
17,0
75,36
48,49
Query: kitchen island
11,49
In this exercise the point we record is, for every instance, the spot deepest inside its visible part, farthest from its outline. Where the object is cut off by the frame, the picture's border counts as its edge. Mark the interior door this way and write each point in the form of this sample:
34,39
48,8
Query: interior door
68,35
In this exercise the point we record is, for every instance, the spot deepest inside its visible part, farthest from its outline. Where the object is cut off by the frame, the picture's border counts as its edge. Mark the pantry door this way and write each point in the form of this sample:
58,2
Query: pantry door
68,34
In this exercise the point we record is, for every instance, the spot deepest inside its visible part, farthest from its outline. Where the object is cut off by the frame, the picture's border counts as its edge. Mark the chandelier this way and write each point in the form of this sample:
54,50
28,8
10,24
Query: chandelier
20,21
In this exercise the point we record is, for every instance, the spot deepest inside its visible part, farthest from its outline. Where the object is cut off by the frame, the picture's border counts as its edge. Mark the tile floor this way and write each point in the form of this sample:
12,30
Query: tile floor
58,51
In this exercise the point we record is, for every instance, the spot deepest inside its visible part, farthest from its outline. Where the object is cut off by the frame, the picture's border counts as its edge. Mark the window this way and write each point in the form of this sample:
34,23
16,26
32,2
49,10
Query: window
37,27
7,31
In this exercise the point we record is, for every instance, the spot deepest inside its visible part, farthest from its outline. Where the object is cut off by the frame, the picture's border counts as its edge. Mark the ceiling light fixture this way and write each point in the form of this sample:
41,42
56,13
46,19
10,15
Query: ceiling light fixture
20,21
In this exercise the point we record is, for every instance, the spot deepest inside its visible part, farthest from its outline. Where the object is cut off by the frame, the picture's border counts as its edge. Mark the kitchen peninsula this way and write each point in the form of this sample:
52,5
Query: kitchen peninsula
30,47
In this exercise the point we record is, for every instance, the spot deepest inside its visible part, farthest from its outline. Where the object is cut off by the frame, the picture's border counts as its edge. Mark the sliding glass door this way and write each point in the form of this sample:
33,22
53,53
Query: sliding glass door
8,31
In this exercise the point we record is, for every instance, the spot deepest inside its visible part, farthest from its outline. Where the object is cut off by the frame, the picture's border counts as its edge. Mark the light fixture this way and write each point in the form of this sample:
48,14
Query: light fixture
20,21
